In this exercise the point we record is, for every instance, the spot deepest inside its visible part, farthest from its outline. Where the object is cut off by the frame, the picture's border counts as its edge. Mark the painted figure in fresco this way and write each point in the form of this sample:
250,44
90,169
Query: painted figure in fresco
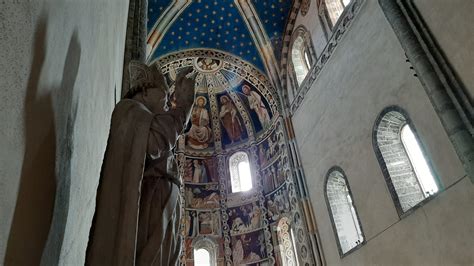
267,181
137,199
195,198
261,155
190,221
205,223
216,222
238,252
200,133
256,104
229,119
238,225
281,173
255,220
249,254
273,171
208,64
200,173
273,210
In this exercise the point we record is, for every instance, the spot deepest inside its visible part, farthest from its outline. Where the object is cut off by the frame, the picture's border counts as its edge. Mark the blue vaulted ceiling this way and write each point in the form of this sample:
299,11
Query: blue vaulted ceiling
217,24
273,15
155,9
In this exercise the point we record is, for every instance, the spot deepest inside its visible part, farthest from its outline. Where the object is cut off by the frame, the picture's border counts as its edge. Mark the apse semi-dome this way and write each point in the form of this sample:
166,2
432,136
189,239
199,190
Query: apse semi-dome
234,106
237,185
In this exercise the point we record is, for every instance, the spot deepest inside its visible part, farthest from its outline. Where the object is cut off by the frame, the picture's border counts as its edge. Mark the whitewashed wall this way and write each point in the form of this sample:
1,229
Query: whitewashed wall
366,73
61,62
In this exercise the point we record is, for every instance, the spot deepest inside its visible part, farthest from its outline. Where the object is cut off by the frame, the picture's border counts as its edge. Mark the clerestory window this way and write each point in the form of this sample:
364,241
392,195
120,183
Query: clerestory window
342,212
240,174
408,174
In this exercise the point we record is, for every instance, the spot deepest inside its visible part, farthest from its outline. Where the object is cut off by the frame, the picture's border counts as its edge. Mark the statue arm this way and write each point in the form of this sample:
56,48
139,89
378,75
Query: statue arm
164,131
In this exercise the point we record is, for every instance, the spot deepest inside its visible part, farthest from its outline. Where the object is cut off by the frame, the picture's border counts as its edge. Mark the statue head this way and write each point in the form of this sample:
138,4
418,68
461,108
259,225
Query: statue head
148,86
144,78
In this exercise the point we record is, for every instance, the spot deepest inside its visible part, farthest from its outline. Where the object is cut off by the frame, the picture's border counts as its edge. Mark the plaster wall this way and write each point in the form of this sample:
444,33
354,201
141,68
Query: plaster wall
452,26
333,126
60,69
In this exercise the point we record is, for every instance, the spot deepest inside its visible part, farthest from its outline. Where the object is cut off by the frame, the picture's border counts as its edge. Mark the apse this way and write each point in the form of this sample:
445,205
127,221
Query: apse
239,200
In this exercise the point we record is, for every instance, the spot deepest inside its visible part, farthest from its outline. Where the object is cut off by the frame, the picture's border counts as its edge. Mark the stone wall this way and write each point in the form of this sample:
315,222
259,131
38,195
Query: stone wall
61,70
450,22
367,72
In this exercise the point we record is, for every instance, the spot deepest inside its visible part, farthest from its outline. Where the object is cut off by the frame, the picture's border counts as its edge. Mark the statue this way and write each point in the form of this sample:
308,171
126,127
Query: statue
137,213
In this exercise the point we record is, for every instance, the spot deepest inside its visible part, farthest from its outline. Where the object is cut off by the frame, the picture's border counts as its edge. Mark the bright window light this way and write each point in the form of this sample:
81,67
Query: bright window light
245,177
240,175
422,170
202,257
306,59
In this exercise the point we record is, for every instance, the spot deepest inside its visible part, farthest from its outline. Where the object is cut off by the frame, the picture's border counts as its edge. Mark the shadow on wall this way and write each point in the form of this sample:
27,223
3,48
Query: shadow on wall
49,120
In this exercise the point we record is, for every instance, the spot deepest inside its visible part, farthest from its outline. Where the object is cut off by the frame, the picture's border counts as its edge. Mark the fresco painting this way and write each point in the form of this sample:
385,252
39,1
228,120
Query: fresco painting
269,149
278,203
199,134
190,223
199,170
245,218
202,197
274,176
209,222
232,123
248,248
256,104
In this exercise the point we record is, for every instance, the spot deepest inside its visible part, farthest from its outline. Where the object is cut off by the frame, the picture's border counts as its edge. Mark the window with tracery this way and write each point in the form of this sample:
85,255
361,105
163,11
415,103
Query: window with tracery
342,212
240,174
408,174
334,9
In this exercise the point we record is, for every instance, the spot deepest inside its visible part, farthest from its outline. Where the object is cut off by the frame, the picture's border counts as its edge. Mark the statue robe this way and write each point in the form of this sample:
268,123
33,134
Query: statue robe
137,211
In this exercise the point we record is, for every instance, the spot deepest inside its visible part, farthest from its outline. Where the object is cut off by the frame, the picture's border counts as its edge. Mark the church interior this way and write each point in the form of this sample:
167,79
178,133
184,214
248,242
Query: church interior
323,132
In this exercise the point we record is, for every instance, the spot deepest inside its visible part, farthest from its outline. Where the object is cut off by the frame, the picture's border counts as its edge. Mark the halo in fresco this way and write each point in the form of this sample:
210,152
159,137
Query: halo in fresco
235,103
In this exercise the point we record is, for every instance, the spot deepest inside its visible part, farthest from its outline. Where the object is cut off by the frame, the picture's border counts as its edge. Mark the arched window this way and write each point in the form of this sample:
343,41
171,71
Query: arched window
298,57
334,9
205,252
409,177
202,257
302,54
240,174
342,211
